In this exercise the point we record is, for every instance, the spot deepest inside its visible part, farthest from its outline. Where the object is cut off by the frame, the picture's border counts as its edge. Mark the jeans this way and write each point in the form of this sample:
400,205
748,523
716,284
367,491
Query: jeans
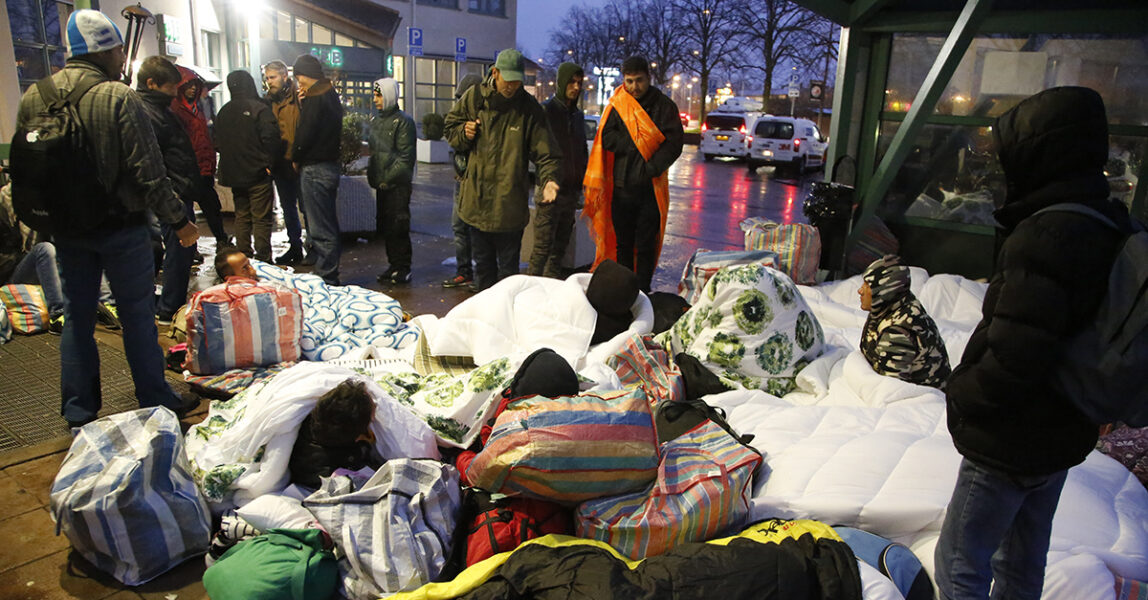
287,186
996,531
495,255
553,224
123,255
212,209
38,267
254,217
318,186
462,252
637,223
393,221
176,268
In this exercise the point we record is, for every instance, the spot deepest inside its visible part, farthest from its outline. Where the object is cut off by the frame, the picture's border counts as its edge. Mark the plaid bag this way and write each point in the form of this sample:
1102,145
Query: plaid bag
570,448
26,307
705,263
703,488
125,498
643,362
242,323
797,245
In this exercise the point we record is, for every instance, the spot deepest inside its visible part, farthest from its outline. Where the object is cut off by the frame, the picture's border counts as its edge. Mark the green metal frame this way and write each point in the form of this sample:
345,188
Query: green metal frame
871,110
1113,21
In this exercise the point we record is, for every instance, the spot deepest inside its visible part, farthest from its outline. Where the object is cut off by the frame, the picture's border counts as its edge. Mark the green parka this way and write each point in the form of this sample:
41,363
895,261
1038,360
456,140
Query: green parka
512,132
392,142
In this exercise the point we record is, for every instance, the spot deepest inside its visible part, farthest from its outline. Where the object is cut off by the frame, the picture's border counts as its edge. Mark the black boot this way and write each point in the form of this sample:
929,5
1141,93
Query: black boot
290,257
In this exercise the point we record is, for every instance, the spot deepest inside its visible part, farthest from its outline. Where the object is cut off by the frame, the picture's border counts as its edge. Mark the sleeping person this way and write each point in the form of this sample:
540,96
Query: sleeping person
336,435
900,339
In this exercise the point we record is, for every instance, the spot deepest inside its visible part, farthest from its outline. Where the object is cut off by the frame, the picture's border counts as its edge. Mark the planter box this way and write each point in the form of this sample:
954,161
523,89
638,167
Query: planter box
355,204
433,151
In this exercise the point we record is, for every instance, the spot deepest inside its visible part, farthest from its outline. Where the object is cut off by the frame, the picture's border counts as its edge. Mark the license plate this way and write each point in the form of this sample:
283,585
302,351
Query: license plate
721,138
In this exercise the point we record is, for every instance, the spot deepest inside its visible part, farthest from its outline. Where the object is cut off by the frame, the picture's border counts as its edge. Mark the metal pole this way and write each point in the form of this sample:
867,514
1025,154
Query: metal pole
137,17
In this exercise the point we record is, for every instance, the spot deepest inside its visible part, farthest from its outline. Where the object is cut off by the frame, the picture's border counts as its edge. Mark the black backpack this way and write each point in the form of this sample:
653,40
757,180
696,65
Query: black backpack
55,181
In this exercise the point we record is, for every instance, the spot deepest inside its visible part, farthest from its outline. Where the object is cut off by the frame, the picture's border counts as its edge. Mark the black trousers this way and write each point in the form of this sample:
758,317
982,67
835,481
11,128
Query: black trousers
637,222
393,221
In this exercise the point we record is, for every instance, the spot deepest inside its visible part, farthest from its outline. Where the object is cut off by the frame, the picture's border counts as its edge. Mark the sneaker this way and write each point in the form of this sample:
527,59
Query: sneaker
56,325
188,401
308,260
385,276
290,257
197,258
107,315
163,320
472,288
457,281
401,276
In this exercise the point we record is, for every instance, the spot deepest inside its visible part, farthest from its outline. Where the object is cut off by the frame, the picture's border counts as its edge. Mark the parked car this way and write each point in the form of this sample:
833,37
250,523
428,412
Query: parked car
685,119
786,142
591,131
725,129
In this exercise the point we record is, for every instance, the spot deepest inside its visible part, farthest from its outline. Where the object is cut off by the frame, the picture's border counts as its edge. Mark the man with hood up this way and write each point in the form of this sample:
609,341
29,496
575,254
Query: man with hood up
900,339
554,222
188,108
248,146
391,167
284,99
1017,429
502,127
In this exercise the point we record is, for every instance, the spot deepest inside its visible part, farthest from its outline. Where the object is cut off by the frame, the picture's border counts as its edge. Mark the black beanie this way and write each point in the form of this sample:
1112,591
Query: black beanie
308,66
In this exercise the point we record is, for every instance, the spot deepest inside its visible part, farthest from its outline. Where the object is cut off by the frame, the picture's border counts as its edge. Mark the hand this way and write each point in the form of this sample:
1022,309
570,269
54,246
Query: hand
295,165
188,235
550,192
471,128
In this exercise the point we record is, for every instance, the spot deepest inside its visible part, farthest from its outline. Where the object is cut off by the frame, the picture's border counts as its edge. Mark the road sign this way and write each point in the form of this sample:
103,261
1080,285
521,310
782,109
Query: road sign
459,49
794,91
816,90
414,41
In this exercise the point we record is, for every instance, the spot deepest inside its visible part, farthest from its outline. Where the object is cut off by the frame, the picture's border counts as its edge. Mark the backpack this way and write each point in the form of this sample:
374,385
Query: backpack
893,560
1103,371
503,525
55,181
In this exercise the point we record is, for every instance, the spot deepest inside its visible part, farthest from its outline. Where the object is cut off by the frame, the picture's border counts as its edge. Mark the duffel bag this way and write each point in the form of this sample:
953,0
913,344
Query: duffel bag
797,245
705,263
240,324
282,564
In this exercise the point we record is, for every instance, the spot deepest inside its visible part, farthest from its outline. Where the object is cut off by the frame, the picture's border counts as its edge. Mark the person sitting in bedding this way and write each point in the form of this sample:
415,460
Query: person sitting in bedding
900,339
232,262
336,435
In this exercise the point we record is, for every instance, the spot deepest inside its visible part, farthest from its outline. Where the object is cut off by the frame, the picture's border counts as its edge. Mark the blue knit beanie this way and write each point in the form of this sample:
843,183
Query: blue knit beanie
91,31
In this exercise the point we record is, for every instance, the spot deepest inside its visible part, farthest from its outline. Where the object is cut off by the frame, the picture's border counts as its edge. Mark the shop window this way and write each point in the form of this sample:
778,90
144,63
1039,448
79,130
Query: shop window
302,30
495,8
320,35
38,39
283,26
440,3
342,40
211,56
266,26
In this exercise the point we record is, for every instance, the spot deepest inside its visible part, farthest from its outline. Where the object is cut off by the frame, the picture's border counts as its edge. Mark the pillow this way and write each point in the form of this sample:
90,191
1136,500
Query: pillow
271,511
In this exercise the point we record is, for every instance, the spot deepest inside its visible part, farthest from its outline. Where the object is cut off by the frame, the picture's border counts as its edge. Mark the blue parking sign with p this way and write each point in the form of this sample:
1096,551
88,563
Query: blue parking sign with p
460,49
415,41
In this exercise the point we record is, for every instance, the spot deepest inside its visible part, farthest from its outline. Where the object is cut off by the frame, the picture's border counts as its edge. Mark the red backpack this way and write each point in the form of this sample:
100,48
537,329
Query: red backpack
501,526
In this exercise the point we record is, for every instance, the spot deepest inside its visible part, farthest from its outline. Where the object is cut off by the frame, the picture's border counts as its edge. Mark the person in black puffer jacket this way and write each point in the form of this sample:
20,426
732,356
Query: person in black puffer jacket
1018,432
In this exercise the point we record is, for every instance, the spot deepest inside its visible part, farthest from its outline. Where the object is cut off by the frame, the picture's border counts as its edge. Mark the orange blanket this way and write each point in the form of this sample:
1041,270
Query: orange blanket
600,174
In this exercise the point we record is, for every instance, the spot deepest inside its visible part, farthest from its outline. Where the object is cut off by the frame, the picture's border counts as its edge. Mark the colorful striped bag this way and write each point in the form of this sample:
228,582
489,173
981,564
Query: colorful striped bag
242,323
702,491
26,307
797,245
644,362
704,264
569,449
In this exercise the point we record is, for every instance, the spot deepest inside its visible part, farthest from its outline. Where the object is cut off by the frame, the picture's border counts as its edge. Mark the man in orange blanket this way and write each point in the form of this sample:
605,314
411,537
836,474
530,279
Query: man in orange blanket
627,189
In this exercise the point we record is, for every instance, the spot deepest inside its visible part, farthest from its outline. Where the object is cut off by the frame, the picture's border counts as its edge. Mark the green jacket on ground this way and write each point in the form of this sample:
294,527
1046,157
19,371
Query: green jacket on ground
512,132
392,142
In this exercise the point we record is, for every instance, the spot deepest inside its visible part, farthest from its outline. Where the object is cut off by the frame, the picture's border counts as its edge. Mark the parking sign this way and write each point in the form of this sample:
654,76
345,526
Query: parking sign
460,49
414,41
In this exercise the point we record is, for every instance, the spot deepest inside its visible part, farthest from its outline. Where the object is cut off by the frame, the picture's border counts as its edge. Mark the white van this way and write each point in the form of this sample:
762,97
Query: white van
786,142
725,129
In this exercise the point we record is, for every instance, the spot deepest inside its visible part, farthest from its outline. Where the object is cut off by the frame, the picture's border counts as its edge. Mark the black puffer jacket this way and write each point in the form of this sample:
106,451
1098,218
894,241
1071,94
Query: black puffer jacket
632,172
247,134
178,154
1004,410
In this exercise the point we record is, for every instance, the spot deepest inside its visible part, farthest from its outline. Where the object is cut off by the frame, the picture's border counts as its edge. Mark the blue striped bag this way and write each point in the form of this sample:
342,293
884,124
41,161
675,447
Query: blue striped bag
243,323
704,483
125,497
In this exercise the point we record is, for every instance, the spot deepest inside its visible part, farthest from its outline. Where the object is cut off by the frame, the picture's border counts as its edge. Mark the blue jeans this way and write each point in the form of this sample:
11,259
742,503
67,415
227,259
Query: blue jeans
38,267
461,240
176,267
996,531
125,257
287,186
495,255
318,186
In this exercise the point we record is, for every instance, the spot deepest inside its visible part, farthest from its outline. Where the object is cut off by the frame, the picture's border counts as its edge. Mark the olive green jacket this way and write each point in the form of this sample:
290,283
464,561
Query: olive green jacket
512,132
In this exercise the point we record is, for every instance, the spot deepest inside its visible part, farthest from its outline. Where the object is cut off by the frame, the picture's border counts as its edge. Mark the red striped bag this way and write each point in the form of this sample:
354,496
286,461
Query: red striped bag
242,323
570,448
797,245
26,306
644,362
702,491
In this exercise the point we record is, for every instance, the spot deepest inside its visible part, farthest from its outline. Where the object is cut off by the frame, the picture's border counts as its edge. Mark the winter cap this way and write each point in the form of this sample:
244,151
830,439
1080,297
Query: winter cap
90,31
888,279
388,88
612,291
509,63
308,66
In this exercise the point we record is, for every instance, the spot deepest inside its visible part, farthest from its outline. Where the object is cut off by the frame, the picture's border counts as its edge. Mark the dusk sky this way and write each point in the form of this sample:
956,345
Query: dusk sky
537,17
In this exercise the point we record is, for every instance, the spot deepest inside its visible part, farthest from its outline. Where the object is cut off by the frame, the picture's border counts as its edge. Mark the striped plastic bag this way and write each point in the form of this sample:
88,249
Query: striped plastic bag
704,264
570,448
797,245
26,306
243,323
703,490
125,498
643,362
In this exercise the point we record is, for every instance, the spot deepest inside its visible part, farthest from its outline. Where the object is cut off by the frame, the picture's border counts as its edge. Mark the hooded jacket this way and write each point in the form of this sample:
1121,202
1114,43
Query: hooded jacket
900,339
632,172
248,134
1004,409
512,132
194,121
392,141
318,135
285,106
178,155
568,124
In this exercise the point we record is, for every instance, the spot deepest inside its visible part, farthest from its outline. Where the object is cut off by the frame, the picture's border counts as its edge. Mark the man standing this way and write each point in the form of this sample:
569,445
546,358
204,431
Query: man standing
554,222
284,99
464,269
248,146
390,170
627,202
132,177
1018,430
502,127
315,155
187,107
157,82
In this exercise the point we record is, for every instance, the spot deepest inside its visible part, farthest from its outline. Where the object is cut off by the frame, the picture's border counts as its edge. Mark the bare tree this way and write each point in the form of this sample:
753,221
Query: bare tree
661,42
708,28
774,33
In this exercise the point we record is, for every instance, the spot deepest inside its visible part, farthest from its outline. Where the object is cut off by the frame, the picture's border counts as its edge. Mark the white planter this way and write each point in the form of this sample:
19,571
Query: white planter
355,204
433,151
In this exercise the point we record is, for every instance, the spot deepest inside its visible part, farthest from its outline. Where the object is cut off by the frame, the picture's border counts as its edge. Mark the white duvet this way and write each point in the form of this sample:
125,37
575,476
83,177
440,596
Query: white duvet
855,448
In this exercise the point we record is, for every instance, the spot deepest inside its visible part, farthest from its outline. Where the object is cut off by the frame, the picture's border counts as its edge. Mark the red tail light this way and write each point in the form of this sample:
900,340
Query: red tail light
741,130
704,127
749,139
796,143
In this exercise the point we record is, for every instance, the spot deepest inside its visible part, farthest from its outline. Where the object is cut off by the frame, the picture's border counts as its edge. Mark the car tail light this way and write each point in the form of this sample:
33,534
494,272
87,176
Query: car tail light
749,139
796,143
704,127
741,130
